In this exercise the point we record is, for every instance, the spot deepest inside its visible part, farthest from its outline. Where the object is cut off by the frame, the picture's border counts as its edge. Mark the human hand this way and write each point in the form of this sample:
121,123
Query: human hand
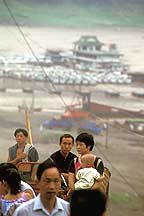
21,156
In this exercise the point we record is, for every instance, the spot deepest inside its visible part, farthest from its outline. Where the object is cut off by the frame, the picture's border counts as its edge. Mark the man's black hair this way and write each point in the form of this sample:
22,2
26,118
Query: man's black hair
47,164
87,202
66,136
22,130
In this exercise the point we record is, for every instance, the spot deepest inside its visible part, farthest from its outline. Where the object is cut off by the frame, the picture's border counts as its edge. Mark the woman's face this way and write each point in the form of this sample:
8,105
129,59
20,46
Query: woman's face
82,148
20,138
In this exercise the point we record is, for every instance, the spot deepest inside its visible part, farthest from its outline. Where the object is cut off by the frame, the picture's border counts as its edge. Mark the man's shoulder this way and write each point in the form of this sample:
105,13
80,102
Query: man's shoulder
72,155
56,153
63,202
13,147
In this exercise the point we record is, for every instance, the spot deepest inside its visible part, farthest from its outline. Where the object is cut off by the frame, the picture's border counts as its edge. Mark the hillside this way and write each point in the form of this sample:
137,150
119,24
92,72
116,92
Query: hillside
68,13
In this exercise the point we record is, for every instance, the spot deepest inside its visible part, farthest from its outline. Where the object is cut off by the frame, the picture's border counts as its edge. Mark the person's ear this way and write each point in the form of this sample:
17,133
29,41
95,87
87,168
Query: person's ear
4,183
36,181
89,148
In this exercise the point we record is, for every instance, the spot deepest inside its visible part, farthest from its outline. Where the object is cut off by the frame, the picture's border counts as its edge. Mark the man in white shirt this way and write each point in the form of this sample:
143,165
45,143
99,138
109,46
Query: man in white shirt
47,202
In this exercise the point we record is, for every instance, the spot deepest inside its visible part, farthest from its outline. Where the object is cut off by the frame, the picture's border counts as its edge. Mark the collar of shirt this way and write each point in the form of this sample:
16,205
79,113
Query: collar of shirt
38,205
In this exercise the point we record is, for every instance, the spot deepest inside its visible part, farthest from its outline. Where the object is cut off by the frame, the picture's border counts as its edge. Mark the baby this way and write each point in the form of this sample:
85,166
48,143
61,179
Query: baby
87,175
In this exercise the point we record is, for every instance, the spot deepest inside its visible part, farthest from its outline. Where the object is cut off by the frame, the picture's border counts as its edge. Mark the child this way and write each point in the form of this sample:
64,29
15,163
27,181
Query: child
87,174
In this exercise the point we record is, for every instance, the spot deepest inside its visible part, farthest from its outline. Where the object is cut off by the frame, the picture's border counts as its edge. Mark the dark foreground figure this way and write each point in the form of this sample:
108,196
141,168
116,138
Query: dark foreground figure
87,202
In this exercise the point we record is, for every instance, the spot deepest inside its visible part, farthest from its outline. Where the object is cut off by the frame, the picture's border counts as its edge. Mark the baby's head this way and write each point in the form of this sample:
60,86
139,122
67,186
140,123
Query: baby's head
87,160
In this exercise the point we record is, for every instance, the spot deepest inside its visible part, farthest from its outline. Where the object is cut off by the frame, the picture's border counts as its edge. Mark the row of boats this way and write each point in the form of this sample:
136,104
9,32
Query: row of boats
88,63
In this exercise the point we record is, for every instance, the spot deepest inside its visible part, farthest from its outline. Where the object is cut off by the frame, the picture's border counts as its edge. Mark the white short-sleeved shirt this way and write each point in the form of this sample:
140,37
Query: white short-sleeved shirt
34,207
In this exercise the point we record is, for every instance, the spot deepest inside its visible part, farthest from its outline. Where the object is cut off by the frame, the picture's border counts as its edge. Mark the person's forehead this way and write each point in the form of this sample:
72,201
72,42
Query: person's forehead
51,172
67,139
20,133
80,143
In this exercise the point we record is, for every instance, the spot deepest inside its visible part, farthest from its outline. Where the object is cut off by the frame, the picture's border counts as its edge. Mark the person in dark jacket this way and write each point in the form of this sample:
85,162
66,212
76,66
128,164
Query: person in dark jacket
64,156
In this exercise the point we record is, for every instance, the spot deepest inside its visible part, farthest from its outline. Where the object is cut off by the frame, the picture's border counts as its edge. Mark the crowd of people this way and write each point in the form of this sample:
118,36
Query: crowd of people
80,176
